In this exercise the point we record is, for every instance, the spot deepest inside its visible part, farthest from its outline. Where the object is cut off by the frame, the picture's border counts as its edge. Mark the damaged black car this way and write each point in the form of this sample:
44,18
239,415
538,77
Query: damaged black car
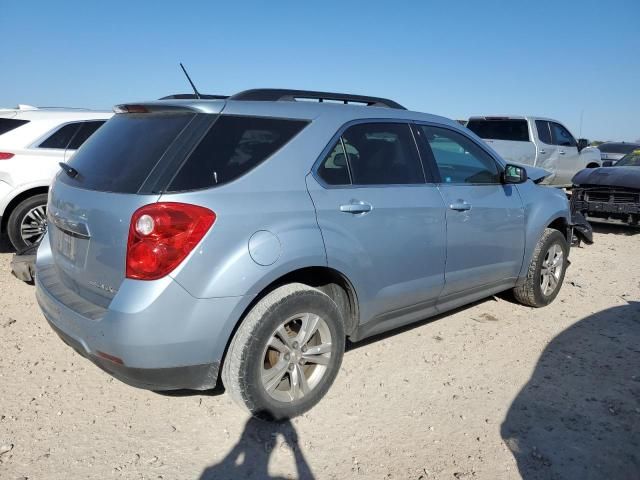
610,194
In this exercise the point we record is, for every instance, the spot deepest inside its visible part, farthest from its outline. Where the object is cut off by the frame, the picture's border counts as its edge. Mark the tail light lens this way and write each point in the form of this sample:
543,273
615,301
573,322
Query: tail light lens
161,235
6,155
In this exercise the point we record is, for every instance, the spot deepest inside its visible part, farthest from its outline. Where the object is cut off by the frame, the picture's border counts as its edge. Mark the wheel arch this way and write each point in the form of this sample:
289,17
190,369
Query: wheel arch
15,201
321,277
561,224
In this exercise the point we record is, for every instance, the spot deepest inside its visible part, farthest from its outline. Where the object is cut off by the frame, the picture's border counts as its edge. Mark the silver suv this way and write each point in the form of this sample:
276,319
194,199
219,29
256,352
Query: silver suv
246,238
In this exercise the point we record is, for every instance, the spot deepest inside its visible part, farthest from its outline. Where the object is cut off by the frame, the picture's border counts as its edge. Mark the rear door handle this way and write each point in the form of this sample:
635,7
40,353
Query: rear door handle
460,206
542,152
561,152
356,207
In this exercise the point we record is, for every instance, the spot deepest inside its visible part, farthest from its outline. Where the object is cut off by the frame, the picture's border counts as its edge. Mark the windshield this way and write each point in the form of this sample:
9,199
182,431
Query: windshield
618,147
630,160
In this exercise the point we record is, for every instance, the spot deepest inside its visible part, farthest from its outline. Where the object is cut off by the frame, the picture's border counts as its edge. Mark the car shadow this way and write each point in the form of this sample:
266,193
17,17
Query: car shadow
611,228
578,416
249,458
505,296
5,245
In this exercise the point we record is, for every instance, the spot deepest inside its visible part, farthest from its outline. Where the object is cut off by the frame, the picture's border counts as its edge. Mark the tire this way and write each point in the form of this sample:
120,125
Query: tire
262,378
31,211
535,291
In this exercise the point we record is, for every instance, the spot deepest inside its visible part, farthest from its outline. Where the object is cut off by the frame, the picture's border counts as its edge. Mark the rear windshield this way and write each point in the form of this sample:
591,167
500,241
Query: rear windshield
629,160
514,130
124,151
618,147
8,124
233,146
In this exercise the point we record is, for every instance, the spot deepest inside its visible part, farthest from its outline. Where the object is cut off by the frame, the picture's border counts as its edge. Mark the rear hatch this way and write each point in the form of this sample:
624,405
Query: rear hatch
118,170
152,150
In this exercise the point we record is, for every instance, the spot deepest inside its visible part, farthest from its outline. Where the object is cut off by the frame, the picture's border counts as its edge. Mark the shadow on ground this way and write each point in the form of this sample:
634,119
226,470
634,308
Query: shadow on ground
610,228
5,245
249,458
579,414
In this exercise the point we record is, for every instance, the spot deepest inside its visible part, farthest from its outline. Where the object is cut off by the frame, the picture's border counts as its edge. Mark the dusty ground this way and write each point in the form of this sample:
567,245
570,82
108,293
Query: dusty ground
492,391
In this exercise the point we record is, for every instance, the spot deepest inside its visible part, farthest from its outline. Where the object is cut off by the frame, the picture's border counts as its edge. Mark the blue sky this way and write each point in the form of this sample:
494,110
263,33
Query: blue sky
453,58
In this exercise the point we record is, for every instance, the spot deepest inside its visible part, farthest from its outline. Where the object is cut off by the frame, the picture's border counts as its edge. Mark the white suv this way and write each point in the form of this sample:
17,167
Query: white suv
32,143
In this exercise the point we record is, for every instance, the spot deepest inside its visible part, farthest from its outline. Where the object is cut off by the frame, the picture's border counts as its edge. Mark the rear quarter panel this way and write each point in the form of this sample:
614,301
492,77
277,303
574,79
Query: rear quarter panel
270,198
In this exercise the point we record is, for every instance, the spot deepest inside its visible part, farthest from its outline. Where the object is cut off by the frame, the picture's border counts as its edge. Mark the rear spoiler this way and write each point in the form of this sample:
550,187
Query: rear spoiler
153,108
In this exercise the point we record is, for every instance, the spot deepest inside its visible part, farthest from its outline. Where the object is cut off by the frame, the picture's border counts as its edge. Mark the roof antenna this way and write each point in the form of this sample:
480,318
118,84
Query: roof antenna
195,90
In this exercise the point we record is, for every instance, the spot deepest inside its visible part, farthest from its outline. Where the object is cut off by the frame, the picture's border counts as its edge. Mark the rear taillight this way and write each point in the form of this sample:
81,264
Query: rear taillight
6,155
161,235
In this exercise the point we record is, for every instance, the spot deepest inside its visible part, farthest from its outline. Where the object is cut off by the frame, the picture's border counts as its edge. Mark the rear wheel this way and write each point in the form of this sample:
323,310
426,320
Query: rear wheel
286,353
27,223
546,270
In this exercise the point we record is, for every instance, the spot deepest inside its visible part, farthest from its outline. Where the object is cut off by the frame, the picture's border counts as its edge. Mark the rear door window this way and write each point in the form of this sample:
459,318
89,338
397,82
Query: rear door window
382,154
516,130
543,132
86,130
233,146
8,124
124,151
61,137
459,159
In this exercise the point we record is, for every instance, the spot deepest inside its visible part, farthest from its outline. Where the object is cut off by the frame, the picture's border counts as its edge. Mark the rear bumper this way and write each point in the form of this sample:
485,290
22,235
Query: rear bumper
192,377
153,335
23,264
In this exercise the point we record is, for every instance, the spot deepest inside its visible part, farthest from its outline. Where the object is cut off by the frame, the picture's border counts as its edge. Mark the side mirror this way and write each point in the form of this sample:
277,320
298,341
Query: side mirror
582,143
514,174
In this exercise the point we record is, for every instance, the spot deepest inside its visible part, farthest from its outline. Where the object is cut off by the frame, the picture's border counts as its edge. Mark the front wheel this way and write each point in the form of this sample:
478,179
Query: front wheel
546,270
27,223
286,353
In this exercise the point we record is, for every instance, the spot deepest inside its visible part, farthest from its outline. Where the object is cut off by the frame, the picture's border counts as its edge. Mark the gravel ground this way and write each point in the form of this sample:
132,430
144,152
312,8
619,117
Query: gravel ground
491,391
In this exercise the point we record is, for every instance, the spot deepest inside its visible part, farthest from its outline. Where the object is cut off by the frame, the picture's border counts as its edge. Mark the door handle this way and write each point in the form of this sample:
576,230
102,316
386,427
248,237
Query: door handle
356,207
561,152
460,206
542,152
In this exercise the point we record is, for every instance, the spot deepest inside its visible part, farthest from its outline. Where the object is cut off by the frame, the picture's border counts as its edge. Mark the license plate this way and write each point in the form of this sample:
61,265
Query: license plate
66,245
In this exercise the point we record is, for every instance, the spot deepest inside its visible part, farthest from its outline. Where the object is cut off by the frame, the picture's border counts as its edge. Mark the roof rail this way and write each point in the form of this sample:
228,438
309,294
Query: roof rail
277,94
192,96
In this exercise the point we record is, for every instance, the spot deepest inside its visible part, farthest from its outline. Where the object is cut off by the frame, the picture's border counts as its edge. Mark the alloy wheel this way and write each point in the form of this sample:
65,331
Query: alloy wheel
551,270
34,225
296,357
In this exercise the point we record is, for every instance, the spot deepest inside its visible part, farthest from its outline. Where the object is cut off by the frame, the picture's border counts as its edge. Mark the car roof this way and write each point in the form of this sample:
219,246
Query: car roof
512,117
619,144
304,110
62,114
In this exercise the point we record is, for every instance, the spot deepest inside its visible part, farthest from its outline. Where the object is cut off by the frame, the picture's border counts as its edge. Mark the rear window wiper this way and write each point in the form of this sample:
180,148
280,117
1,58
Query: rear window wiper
68,169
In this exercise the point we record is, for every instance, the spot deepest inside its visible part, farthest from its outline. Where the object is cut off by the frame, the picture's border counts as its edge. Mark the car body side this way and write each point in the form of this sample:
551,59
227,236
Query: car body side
266,231
32,169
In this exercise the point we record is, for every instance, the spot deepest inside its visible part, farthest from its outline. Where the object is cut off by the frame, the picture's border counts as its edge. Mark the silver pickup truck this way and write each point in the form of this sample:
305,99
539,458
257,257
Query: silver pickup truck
537,141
